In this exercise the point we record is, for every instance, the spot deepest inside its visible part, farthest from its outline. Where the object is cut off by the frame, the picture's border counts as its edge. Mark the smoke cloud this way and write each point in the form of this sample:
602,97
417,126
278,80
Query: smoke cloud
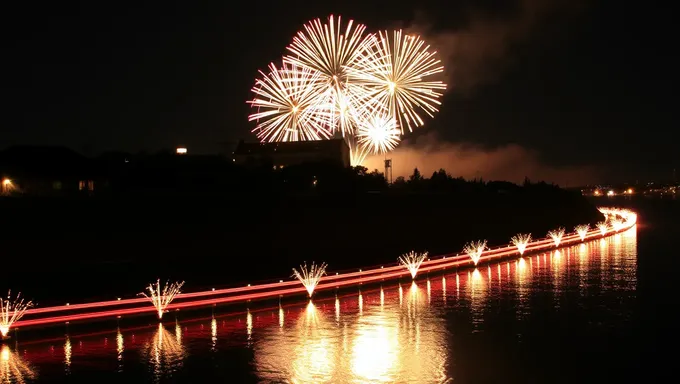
510,163
479,50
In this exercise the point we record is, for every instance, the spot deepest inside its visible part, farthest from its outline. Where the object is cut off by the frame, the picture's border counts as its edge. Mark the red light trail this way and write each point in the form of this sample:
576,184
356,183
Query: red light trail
136,306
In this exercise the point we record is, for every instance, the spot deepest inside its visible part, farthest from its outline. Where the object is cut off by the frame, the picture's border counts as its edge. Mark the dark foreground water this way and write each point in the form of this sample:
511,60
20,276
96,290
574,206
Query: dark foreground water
566,316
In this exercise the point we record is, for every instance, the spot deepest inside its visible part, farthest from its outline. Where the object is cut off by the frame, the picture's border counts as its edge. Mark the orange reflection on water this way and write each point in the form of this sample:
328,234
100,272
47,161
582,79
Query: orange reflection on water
13,369
165,352
380,344
478,291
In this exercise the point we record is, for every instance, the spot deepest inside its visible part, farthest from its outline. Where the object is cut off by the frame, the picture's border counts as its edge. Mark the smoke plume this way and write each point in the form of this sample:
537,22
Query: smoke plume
479,50
511,163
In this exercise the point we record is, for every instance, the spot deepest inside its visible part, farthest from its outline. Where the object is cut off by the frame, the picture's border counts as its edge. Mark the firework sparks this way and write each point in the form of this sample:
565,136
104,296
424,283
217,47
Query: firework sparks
310,276
582,230
603,227
329,50
396,74
412,261
556,236
11,310
161,298
618,224
521,241
287,105
376,135
474,249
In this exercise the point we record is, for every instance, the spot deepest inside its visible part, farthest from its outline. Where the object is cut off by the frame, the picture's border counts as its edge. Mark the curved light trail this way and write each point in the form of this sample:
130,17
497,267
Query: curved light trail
136,306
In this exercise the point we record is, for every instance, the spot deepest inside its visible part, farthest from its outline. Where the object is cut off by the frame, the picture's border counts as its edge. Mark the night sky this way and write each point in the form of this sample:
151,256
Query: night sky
568,91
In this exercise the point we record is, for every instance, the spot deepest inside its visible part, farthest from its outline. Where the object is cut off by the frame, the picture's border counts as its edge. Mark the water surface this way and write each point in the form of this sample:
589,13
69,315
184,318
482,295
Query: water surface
563,316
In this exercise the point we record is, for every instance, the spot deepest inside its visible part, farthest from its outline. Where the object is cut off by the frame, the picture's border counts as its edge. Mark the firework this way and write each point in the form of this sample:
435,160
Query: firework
412,261
310,276
396,75
288,108
582,230
161,298
521,241
329,49
603,227
376,135
11,310
474,249
557,235
617,224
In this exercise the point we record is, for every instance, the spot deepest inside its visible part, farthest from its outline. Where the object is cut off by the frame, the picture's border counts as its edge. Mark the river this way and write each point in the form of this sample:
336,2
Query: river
572,315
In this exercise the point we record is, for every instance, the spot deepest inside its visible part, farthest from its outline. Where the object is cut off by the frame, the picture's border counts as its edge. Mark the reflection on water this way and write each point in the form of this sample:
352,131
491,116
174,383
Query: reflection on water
379,343
165,352
521,287
400,332
13,369
478,292
120,348
67,355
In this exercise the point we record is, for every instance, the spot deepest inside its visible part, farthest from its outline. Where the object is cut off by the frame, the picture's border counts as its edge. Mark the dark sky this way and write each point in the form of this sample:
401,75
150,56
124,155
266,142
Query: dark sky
586,85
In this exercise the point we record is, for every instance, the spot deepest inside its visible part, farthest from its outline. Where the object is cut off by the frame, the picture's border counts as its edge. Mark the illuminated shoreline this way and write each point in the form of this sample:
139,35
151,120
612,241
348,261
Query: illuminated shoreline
128,307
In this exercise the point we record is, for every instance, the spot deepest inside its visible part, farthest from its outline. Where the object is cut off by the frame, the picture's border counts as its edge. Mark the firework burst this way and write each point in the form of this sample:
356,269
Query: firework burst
521,241
474,249
339,79
395,74
287,105
556,235
582,230
310,276
412,261
11,310
329,49
376,135
603,227
162,297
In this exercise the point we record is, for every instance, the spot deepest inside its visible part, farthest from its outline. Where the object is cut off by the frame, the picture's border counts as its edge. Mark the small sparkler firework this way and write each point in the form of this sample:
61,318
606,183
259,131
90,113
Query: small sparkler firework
582,230
474,249
521,241
603,227
11,310
412,261
617,224
310,276
161,298
557,235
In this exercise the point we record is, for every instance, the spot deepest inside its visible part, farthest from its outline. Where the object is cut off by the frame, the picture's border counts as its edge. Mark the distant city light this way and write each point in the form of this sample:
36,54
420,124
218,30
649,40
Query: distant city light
181,151
629,191
597,193
610,193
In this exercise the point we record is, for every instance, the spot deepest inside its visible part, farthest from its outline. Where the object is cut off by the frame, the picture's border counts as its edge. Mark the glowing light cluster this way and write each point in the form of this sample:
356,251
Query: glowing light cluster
310,276
603,227
412,261
556,235
582,230
474,249
521,241
617,218
11,310
340,80
162,297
